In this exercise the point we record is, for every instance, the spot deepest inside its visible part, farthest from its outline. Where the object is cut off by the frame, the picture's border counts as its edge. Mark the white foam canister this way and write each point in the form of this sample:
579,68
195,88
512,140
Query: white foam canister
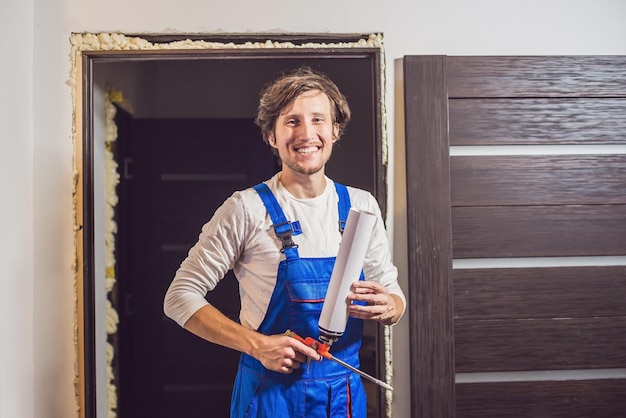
347,269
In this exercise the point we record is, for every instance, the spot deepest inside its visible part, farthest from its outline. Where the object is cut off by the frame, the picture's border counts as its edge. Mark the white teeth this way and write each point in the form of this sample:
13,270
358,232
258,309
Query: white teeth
307,150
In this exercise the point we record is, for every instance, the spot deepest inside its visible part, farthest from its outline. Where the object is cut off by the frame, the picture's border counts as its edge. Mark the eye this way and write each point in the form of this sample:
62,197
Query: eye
291,122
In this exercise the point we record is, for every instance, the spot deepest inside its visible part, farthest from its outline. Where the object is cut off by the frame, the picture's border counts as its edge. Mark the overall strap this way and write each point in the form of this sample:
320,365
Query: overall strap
282,227
343,205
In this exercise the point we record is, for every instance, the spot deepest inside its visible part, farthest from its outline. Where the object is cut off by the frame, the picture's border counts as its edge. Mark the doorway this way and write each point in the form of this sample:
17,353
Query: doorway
177,173
172,91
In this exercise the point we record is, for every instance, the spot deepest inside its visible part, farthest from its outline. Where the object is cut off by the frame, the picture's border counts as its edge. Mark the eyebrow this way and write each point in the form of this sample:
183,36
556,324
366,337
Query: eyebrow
294,115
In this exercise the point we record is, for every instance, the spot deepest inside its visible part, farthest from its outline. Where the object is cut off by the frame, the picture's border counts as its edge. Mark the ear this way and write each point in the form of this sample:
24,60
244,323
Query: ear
335,132
271,139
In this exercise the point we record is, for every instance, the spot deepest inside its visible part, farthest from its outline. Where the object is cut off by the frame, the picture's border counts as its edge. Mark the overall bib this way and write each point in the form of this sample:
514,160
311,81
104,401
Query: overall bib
326,389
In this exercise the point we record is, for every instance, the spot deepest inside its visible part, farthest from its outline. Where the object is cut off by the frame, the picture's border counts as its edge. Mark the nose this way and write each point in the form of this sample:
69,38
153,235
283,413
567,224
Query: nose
307,130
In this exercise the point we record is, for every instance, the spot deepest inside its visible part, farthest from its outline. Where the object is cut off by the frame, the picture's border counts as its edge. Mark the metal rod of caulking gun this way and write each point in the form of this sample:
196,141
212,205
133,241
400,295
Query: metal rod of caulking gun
322,350
363,374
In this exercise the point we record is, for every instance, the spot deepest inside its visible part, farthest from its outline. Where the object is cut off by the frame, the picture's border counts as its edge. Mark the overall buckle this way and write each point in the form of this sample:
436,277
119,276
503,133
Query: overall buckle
284,232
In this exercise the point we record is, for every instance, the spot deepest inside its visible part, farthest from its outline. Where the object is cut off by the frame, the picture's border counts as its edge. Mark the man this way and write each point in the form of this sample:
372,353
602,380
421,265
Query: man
281,238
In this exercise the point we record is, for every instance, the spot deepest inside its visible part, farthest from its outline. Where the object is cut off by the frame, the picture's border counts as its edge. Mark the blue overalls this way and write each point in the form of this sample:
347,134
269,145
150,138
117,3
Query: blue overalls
326,389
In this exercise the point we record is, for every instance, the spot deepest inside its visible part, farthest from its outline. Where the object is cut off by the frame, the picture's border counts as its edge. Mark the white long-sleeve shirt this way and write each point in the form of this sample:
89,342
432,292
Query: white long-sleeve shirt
240,237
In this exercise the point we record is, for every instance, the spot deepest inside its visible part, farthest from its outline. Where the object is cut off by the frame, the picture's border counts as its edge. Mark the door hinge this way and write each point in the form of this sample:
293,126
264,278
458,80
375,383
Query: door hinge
128,163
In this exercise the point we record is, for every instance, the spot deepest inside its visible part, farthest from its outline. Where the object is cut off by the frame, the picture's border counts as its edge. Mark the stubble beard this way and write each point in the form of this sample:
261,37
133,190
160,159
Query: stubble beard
295,167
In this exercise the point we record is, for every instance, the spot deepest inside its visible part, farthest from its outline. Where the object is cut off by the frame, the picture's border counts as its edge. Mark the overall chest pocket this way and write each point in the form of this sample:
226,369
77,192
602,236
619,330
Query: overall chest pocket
307,296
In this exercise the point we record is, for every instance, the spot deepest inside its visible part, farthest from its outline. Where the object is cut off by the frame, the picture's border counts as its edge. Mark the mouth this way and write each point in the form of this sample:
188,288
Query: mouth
308,149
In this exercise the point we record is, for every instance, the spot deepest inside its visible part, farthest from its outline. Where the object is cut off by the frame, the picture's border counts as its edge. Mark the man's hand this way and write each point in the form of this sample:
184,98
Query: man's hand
283,354
279,353
379,304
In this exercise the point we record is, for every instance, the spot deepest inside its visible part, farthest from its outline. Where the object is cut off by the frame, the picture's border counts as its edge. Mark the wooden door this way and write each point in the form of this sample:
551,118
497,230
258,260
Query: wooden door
517,235
178,173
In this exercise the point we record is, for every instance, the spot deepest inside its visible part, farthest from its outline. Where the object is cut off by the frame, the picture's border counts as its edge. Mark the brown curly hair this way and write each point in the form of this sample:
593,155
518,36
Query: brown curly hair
280,94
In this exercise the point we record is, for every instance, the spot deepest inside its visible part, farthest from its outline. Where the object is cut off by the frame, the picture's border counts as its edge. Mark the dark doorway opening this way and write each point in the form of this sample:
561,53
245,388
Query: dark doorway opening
178,171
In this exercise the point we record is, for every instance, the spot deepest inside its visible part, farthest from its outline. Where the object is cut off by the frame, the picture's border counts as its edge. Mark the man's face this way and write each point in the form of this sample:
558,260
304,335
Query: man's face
305,133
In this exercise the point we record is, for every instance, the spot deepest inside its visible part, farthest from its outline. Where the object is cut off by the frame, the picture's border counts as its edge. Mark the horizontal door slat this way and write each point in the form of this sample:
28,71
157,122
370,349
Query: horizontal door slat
186,206
538,231
540,344
203,147
538,180
534,76
565,292
581,398
537,121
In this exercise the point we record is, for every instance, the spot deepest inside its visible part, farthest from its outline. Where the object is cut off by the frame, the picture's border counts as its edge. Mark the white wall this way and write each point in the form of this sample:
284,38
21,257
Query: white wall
37,302
16,181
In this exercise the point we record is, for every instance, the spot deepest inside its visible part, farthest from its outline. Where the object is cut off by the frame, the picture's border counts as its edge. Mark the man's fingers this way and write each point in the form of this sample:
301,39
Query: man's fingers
367,286
304,351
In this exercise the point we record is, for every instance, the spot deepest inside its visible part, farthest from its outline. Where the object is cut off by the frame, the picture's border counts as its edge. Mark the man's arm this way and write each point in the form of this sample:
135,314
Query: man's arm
279,353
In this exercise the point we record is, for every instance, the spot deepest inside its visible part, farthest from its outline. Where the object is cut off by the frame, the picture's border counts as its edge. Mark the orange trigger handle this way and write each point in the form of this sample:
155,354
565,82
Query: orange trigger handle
321,348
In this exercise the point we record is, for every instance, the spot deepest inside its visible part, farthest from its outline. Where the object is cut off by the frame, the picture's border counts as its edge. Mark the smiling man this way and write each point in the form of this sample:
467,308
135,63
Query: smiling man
281,238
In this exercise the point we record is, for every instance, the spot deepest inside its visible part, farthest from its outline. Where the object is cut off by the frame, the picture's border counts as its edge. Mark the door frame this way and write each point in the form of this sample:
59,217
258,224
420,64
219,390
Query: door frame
429,233
91,49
